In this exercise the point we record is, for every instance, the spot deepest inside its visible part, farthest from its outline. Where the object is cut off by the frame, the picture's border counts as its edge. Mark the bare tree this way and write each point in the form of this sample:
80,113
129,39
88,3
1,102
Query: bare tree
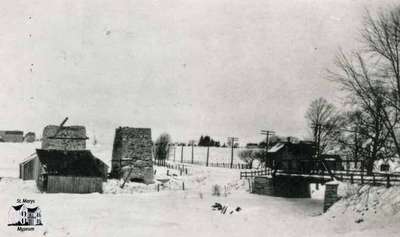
371,75
324,122
365,137
162,146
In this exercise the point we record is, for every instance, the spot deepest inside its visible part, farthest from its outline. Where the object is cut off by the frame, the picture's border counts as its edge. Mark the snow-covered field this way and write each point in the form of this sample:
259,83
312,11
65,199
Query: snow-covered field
216,154
139,210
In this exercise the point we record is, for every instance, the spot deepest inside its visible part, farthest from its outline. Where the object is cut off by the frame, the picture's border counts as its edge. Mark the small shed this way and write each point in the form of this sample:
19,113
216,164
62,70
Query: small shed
29,168
70,171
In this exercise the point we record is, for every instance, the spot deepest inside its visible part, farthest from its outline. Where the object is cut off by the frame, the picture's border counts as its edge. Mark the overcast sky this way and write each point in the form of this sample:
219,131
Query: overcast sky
217,67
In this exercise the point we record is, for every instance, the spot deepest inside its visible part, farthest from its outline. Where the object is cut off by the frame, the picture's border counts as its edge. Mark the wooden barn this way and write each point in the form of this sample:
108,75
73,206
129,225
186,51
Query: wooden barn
70,171
300,157
63,164
290,156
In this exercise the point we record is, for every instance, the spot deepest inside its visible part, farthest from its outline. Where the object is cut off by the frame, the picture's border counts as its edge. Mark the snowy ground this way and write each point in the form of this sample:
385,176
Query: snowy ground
139,210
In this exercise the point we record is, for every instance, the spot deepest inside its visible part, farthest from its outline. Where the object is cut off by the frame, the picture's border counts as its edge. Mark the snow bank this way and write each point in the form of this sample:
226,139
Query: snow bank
375,206
11,154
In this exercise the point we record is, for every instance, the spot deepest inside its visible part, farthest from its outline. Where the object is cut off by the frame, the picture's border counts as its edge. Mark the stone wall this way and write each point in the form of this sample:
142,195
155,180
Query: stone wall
292,187
132,154
68,138
263,185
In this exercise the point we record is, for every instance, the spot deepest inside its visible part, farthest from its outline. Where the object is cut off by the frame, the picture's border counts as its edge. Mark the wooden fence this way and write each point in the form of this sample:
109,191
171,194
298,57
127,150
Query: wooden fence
254,173
220,165
182,168
72,184
216,164
352,176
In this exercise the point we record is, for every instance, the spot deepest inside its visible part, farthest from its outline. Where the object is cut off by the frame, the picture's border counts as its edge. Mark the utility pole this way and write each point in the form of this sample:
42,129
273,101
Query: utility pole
208,154
174,151
182,153
317,139
232,140
268,134
192,144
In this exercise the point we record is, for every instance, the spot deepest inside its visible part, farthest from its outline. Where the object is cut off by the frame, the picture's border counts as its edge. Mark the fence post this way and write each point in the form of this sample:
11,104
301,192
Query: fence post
388,181
208,155
192,152
174,152
182,153
373,179
362,177
183,185
351,179
158,187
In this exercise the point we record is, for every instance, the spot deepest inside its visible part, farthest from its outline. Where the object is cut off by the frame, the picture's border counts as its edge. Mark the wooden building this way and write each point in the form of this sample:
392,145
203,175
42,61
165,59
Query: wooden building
300,157
63,164
11,136
70,171
290,156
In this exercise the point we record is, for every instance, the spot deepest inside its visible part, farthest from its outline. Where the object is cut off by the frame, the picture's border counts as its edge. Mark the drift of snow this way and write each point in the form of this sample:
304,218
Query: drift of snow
140,210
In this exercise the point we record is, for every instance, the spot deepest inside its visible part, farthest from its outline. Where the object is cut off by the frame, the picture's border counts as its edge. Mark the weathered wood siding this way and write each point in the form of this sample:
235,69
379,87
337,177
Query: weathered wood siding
72,184
29,170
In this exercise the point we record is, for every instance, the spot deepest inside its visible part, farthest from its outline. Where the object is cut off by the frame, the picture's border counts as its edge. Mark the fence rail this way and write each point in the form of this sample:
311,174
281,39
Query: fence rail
254,173
219,165
180,167
352,176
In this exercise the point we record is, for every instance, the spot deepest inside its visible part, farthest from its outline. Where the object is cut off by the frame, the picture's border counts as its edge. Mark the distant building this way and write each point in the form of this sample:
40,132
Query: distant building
11,136
252,145
30,137
299,156
290,156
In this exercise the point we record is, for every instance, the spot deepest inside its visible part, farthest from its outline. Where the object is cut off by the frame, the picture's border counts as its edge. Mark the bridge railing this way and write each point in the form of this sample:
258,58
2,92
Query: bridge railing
254,173
325,170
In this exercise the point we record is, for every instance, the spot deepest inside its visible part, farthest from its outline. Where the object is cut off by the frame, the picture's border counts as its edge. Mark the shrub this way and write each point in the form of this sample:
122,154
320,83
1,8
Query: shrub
216,190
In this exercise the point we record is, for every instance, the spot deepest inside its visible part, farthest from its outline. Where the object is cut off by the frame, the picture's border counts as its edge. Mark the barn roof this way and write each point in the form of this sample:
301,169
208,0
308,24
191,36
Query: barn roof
277,147
71,163
301,148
